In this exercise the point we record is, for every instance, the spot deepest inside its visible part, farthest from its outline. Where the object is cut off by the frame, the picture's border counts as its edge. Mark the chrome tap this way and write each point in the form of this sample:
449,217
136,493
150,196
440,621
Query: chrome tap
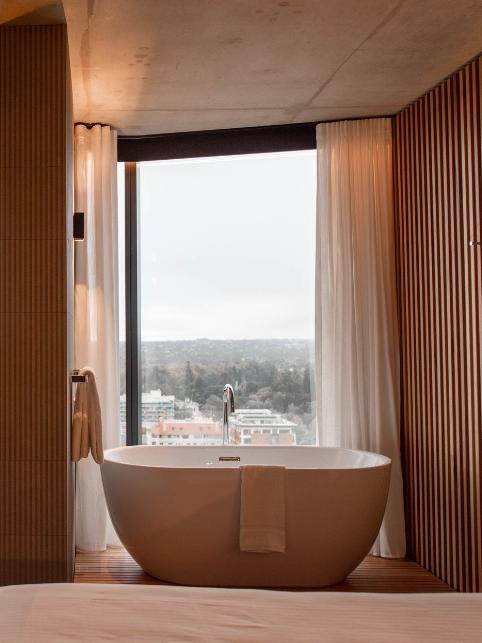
228,407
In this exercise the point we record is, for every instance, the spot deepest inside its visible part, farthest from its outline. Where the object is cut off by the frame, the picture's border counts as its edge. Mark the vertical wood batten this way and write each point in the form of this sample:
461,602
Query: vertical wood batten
437,165
35,531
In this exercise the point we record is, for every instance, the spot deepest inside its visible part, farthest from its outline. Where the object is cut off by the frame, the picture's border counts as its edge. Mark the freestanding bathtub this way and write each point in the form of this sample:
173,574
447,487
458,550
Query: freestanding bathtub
176,510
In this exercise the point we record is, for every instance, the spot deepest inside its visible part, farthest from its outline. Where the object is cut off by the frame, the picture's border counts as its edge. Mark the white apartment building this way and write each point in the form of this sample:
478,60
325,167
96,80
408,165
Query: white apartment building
262,426
187,406
155,406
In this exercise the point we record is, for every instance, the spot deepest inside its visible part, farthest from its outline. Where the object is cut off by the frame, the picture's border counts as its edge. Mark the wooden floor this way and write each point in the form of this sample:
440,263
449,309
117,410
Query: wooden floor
373,575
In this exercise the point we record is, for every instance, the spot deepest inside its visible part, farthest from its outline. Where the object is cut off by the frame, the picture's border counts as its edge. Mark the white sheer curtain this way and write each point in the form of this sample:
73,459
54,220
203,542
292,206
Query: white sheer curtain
96,317
357,350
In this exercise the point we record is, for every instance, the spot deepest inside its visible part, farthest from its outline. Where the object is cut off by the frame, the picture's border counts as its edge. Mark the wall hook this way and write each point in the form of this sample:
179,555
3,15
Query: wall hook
474,243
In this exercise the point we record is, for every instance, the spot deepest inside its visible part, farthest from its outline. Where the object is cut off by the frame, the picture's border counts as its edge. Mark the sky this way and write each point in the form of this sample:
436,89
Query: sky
227,247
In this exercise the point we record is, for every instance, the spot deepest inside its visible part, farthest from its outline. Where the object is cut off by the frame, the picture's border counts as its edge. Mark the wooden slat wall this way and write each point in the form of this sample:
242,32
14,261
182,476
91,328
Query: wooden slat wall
437,165
35,516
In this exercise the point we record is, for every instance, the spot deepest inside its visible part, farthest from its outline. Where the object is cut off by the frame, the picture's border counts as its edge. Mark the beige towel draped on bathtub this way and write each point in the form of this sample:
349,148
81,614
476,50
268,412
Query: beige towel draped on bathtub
87,421
262,517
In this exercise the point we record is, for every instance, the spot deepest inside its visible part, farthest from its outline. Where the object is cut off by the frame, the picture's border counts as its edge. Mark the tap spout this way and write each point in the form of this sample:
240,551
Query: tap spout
228,407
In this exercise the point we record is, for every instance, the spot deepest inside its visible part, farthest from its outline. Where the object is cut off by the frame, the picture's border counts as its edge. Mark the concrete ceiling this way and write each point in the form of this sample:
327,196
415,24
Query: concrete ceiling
31,12
152,66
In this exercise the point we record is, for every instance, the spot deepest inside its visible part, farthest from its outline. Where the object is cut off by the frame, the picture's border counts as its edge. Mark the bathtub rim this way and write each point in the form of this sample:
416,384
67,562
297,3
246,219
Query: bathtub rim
383,461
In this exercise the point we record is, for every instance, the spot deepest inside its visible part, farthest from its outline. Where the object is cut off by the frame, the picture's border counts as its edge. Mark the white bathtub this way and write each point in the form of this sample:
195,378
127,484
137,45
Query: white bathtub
176,510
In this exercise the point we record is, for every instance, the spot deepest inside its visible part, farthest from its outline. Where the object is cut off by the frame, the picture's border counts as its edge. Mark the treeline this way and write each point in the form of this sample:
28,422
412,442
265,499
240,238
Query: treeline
281,383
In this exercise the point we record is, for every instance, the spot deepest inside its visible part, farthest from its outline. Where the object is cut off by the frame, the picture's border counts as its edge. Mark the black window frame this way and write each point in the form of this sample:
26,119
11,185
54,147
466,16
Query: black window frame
132,150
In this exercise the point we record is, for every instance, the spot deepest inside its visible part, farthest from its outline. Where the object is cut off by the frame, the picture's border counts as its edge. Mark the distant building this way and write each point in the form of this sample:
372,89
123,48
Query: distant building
162,424
186,408
193,432
262,426
155,407
246,426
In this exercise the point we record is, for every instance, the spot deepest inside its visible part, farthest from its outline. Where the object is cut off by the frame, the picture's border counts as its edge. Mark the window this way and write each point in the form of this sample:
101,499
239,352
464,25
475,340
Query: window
226,271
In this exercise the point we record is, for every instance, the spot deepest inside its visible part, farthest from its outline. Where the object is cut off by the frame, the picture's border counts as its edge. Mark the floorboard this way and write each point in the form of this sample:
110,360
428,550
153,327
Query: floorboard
373,575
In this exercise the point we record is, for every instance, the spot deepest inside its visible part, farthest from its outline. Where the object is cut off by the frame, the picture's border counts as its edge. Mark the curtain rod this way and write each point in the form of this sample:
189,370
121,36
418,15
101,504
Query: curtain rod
253,128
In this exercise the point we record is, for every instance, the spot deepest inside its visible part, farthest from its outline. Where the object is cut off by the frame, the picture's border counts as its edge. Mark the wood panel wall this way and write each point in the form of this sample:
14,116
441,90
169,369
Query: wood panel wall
35,473
437,166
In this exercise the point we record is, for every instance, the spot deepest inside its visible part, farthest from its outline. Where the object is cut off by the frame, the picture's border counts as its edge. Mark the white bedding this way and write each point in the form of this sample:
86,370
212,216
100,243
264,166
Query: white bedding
89,613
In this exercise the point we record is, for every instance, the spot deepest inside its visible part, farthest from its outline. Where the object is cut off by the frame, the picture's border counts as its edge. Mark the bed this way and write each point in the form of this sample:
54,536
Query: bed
67,612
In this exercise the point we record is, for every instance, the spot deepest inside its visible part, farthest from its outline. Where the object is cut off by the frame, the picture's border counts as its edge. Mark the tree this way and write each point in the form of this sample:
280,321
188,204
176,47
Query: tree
188,381
307,381
154,378
200,392
279,402
213,407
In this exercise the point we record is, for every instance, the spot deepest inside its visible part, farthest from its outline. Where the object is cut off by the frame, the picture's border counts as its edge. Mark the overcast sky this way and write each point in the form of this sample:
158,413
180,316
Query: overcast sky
227,247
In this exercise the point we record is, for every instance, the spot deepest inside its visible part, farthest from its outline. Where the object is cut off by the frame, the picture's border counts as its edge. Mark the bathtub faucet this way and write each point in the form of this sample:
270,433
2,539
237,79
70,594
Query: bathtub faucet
228,407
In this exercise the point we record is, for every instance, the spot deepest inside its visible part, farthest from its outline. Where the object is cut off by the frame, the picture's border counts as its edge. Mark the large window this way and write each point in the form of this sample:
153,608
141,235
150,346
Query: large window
226,265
